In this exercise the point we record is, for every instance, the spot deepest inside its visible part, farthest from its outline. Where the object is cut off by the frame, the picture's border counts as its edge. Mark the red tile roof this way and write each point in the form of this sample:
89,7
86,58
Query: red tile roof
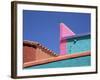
37,44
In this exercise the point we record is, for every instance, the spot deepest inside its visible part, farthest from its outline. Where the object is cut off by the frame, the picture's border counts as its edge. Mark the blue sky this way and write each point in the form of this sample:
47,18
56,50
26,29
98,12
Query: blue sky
44,26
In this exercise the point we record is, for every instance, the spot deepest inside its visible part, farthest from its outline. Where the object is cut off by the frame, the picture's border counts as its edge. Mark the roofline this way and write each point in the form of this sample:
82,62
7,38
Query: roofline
36,44
76,36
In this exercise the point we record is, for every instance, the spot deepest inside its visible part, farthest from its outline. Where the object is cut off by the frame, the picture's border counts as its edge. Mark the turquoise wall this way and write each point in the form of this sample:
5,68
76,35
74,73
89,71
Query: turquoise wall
75,62
78,44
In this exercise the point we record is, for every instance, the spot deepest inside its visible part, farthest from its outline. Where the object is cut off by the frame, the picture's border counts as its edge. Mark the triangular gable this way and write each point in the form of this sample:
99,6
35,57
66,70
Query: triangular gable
65,31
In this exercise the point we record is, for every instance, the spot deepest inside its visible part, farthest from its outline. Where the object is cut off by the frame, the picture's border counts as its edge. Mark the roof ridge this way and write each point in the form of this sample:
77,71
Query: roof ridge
37,44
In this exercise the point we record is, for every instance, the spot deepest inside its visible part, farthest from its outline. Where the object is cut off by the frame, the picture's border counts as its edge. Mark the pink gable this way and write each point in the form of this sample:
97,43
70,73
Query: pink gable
64,32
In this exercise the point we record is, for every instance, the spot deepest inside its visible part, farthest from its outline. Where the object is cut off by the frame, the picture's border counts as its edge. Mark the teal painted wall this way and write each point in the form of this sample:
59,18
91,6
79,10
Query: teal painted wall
78,44
75,62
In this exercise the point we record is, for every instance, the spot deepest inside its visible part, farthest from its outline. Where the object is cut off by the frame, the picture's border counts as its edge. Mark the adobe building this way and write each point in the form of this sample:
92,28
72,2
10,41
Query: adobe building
75,50
71,42
33,51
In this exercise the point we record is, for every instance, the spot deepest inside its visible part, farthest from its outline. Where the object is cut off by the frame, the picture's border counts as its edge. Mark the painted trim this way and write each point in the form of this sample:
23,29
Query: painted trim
76,36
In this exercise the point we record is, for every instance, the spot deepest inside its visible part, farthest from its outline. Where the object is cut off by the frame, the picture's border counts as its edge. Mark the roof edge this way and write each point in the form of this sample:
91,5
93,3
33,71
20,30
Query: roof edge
76,36
37,44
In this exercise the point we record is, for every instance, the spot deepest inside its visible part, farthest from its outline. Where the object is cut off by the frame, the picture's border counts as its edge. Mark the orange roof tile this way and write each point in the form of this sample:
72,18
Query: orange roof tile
37,44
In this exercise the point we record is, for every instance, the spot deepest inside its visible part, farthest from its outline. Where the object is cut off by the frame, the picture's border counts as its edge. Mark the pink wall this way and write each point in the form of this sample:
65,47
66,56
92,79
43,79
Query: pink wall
64,32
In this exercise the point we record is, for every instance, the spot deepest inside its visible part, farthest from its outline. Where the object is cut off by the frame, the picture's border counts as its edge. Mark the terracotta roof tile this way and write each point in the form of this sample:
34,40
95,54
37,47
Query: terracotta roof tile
37,44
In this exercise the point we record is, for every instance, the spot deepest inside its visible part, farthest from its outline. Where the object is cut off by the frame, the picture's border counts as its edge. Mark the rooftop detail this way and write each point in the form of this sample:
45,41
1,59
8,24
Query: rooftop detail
76,36
38,45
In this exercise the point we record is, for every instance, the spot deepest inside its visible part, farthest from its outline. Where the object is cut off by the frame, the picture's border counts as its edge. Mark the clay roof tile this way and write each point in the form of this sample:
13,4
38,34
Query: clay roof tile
34,43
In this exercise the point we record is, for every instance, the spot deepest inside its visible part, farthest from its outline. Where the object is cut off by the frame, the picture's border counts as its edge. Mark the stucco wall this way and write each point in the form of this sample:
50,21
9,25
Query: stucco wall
33,53
78,44
29,54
